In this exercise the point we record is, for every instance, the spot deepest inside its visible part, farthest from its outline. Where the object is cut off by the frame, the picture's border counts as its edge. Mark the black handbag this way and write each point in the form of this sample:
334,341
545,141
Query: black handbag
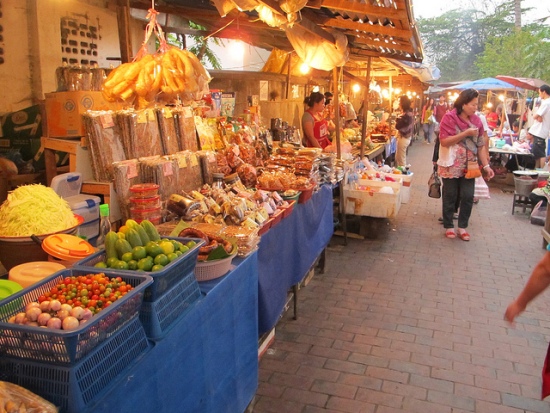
434,185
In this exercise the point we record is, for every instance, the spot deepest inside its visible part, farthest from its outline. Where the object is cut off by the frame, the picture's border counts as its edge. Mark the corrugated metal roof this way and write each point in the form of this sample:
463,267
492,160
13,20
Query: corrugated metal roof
374,28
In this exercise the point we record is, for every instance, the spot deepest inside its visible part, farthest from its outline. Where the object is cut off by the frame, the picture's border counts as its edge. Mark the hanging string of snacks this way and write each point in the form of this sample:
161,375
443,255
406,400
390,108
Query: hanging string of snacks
167,75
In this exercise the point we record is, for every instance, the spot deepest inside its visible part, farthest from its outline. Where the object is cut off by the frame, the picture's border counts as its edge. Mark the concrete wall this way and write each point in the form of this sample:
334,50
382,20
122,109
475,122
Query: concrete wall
32,45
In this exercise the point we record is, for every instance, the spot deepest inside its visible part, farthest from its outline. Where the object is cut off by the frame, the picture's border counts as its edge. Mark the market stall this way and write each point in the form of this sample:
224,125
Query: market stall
288,251
209,360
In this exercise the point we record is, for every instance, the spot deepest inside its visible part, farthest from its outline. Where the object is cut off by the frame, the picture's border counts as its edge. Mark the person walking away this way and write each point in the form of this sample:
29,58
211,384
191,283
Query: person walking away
540,129
315,126
440,109
461,140
537,283
405,126
427,121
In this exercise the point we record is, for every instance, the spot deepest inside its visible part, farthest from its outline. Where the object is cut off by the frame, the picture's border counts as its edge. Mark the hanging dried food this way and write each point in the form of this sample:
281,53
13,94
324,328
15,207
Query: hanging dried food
168,74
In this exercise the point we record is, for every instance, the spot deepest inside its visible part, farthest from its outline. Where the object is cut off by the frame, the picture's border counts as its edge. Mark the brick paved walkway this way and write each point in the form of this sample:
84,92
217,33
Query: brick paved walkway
412,321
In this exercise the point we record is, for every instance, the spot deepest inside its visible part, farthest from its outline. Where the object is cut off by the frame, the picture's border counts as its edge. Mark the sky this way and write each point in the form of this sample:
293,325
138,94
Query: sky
431,8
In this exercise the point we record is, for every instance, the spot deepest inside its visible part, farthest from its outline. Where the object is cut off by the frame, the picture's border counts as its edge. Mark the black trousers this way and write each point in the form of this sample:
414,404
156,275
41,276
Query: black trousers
459,190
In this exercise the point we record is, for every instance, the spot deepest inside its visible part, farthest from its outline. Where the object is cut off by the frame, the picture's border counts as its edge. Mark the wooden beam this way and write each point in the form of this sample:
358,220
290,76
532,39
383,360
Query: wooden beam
379,44
311,27
340,23
364,9
123,22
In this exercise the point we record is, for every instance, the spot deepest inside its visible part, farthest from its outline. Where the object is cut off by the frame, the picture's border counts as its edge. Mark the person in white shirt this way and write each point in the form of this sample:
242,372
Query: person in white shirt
540,129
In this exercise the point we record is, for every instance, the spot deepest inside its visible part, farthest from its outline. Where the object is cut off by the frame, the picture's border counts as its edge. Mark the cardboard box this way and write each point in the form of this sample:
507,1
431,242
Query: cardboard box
64,111
371,202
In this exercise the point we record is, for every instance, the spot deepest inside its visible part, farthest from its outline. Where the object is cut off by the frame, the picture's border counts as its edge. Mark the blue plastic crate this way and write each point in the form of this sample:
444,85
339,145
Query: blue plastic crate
74,388
162,280
159,316
60,346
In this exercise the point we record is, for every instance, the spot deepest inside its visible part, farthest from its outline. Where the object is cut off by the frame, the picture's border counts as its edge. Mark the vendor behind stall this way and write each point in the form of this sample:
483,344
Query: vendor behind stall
315,126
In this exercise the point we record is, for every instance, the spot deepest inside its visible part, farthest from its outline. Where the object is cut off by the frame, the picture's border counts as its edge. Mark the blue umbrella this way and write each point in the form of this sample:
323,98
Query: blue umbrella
489,83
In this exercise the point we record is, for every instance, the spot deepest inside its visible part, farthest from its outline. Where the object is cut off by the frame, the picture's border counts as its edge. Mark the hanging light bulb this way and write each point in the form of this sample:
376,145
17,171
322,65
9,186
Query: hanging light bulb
356,88
315,89
236,48
304,68
397,91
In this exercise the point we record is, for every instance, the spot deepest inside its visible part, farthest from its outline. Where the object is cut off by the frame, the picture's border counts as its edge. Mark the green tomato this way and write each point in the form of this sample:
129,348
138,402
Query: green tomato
167,247
190,244
172,256
161,259
121,265
100,264
127,257
145,264
139,252
112,261
132,265
157,267
184,249
153,250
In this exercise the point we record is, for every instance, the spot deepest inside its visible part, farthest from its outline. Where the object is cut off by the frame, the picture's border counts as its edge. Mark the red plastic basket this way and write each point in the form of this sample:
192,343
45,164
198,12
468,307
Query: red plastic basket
287,210
305,195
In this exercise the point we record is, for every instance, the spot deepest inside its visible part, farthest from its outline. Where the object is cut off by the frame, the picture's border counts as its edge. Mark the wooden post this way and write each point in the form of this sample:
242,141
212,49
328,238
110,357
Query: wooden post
337,112
365,109
123,20
289,61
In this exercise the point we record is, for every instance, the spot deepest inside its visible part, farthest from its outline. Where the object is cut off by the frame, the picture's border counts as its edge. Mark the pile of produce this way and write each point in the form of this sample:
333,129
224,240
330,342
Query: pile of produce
139,247
34,210
16,399
72,302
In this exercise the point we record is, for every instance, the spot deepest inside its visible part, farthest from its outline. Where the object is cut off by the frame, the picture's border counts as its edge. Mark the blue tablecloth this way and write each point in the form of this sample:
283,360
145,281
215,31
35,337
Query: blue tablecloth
288,251
208,362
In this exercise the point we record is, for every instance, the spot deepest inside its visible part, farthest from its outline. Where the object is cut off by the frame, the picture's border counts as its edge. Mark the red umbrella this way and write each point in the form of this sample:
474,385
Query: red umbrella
523,82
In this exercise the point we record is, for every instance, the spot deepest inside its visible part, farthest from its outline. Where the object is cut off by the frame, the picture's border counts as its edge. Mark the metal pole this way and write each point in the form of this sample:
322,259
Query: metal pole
337,110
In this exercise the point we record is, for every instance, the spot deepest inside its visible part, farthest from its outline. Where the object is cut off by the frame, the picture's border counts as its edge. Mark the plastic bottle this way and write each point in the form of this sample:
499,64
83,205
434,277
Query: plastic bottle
104,225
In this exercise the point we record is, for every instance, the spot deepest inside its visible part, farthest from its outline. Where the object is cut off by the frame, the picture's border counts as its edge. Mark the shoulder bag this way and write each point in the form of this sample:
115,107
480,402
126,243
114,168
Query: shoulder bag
434,185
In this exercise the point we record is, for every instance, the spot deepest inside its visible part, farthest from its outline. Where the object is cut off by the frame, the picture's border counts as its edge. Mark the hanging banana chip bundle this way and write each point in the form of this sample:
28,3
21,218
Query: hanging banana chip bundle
169,74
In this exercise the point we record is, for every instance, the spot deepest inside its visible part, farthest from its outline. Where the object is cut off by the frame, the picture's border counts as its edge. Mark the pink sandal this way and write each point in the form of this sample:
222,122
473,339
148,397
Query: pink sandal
464,236
450,233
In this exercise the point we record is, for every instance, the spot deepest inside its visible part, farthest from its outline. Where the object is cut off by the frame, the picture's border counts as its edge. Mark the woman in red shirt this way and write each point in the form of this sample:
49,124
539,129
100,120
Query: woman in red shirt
492,118
316,128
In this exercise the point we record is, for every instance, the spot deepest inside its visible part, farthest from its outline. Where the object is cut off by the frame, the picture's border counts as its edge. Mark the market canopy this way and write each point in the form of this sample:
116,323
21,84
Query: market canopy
488,83
523,82
364,28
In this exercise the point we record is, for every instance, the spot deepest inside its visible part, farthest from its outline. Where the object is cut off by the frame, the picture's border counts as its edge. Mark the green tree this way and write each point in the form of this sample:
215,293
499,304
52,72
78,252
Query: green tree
201,45
521,53
454,40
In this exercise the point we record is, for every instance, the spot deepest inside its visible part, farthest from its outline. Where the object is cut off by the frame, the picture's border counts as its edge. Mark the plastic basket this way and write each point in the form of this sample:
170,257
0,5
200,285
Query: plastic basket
305,195
287,211
524,185
73,388
159,316
265,227
162,280
60,346
276,217
210,270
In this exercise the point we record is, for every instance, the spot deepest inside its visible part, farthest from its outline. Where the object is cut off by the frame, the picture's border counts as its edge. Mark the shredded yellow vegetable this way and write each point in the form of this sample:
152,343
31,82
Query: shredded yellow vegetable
34,209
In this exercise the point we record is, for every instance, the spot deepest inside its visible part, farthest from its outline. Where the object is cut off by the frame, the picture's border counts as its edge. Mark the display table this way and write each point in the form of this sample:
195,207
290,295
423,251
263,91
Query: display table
287,252
517,155
208,362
